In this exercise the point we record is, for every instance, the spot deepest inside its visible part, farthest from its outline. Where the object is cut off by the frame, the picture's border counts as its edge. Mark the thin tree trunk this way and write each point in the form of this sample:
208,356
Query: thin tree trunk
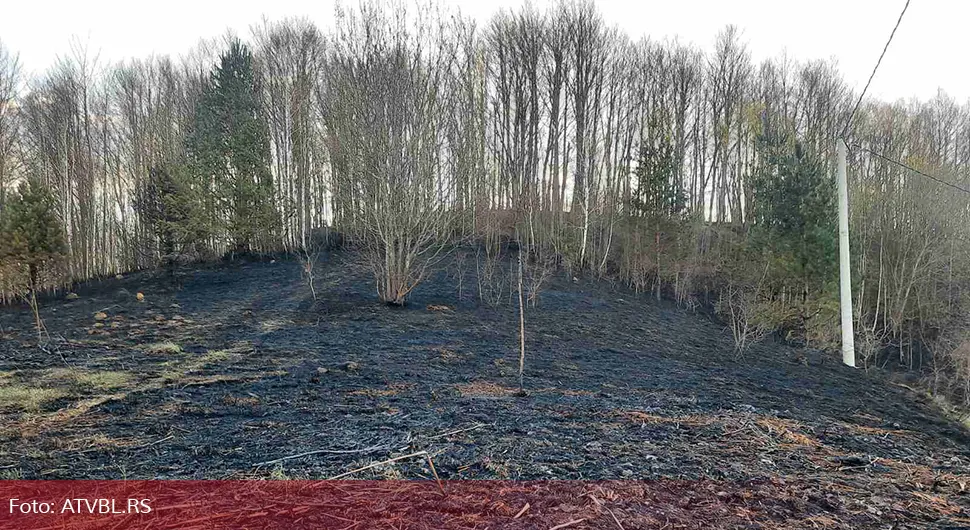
521,329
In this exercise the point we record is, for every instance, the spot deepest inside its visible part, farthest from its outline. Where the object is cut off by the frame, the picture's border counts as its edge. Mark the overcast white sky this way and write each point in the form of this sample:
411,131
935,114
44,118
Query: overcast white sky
927,53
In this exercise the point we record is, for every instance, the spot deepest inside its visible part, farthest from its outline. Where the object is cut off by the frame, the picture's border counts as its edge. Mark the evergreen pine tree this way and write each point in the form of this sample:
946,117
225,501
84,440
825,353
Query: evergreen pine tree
794,212
169,204
31,234
658,199
657,196
31,240
229,152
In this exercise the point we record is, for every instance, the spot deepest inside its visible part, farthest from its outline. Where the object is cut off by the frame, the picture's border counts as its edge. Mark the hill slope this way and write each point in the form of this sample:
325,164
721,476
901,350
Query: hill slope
240,367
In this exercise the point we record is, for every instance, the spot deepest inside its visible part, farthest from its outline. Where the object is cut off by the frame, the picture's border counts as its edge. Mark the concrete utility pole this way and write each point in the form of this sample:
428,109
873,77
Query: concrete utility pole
845,280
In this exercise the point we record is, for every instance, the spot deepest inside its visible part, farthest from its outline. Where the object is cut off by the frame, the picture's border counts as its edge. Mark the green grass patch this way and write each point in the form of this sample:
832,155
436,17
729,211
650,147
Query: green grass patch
179,369
215,356
11,474
172,375
27,398
84,379
163,348
102,380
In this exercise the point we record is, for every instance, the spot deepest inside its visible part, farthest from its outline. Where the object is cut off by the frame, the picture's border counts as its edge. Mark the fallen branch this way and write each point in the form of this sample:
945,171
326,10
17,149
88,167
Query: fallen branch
395,459
613,515
169,437
522,511
567,525
435,473
472,428
323,451
600,503
907,387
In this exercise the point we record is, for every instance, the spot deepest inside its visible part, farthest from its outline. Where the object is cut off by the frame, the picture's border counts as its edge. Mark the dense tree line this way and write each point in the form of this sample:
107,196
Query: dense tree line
701,176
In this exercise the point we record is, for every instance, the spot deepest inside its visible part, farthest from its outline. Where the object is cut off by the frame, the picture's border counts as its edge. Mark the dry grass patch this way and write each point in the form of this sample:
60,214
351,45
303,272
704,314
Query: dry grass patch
692,420
448,355
169,408
604,426
215,356
939,504
822,521
923,477
240,401
372,392
101,441
93,442
484,389
391,390
877,431
214,379
788,431
577,393
271,325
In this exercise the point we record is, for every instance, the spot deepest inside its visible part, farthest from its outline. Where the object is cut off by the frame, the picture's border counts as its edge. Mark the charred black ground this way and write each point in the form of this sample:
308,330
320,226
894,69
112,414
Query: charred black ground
238,370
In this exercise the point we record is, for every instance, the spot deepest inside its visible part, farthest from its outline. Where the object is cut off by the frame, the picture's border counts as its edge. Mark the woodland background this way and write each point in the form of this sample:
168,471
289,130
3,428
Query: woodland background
411,135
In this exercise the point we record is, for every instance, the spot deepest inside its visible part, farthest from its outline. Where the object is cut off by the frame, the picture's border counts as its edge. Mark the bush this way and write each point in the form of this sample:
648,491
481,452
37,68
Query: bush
742,305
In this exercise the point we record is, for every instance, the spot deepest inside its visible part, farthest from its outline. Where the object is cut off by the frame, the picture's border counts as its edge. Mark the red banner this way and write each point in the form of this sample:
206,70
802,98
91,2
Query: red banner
346,505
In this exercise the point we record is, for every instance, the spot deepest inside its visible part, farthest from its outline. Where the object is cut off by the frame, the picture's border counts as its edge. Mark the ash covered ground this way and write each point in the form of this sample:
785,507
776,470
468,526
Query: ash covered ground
235,371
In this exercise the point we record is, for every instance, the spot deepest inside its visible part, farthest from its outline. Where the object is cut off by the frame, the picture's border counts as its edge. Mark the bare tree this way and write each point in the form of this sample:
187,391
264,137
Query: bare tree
10,81
290,56
521,329
386,105
741,304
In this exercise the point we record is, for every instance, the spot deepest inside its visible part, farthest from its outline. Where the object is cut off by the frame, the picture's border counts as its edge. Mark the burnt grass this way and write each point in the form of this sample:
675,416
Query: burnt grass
618,388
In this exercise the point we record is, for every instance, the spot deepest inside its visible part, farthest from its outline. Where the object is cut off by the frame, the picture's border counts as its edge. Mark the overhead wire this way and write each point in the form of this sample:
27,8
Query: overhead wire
862,95
873,74
914,170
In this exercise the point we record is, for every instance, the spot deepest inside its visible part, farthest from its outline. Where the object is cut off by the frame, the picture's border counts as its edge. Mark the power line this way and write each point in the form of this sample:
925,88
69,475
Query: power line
883,54
914,170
